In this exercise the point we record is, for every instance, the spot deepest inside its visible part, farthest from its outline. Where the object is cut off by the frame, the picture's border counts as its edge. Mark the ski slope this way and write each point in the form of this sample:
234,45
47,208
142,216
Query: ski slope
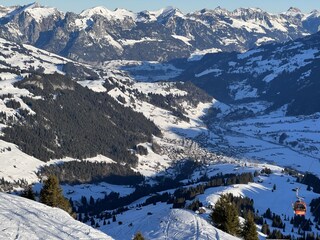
160,222
25,219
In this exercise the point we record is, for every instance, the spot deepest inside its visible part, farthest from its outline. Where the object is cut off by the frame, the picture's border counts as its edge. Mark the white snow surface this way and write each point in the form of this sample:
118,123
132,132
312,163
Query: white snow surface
198,54
39,13
164,223
25,219
209,71
183,39
131,42
15,165
118,14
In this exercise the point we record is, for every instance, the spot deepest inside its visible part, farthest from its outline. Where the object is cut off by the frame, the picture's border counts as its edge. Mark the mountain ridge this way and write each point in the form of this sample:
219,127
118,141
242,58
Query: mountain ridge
99,34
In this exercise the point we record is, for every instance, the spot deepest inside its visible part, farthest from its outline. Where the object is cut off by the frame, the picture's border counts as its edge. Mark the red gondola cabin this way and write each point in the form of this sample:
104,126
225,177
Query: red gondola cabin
300,208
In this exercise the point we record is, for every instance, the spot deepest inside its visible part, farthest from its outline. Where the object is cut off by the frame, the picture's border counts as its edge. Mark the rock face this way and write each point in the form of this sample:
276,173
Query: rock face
98,34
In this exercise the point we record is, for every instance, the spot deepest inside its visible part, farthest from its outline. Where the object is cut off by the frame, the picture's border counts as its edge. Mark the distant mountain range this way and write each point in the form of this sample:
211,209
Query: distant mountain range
285,74
98,34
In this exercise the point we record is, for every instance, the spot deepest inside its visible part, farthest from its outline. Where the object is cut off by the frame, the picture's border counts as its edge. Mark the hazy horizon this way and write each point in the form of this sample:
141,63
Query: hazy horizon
271,6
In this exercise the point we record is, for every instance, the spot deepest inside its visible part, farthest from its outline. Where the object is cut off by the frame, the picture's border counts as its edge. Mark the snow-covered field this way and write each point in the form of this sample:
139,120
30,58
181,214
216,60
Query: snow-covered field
21,218
161,222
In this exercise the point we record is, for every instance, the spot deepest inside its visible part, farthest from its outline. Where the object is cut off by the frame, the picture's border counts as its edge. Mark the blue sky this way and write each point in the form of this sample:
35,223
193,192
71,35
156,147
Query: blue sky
273,6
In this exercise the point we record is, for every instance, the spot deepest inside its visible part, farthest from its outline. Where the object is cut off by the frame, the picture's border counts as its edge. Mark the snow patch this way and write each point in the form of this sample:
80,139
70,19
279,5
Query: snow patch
183,39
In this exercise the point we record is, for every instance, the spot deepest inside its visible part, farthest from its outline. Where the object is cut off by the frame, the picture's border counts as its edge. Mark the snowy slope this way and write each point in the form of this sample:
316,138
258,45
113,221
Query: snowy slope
160,221
25,219
164,223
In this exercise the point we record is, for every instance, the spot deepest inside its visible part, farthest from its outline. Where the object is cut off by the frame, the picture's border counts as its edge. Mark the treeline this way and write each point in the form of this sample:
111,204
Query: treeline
178,198
311,181
74,121
77,172
6,186
195,94
183,194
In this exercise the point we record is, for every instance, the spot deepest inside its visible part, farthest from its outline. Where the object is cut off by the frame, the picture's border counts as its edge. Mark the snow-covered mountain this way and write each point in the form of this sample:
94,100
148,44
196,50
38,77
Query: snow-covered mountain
95,127
283,74
30,78
25,219
99,34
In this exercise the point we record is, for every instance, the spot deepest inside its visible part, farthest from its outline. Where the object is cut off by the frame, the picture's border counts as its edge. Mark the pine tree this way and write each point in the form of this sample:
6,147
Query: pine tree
28,193
51,195
274,187
265,229
225,216
249,231
138,236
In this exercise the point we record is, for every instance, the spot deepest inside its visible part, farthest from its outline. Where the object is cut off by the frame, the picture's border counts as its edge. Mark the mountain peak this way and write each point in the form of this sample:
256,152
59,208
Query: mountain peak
169,12
221,10
118,13
293,11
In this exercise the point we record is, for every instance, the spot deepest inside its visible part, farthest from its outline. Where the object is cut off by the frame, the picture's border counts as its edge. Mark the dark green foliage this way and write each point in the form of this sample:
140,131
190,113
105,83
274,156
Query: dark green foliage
6,186
138,236
141,150
310,180
13,104
121,99
168,102
249,230
93,222
274,187
51,195
225,216
74,121
265,229
311,236
179,202
276,234
277,221
195,94
266,171
268,214
238,114
189,193
28,193
301,222
164,197
282,137
75,172
195,205
315,209
244,205
79,71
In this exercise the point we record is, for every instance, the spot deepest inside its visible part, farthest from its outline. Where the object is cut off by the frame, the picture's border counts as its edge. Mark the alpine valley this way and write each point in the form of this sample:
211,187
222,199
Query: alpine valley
150,120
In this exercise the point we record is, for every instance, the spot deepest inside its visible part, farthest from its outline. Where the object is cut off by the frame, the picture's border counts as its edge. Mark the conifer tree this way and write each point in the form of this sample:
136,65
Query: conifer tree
265,229
249,231
51,195
28,193
138,236
225,216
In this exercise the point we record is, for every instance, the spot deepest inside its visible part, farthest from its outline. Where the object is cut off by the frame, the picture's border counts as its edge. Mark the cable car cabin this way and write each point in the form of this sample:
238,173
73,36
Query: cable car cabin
300,208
